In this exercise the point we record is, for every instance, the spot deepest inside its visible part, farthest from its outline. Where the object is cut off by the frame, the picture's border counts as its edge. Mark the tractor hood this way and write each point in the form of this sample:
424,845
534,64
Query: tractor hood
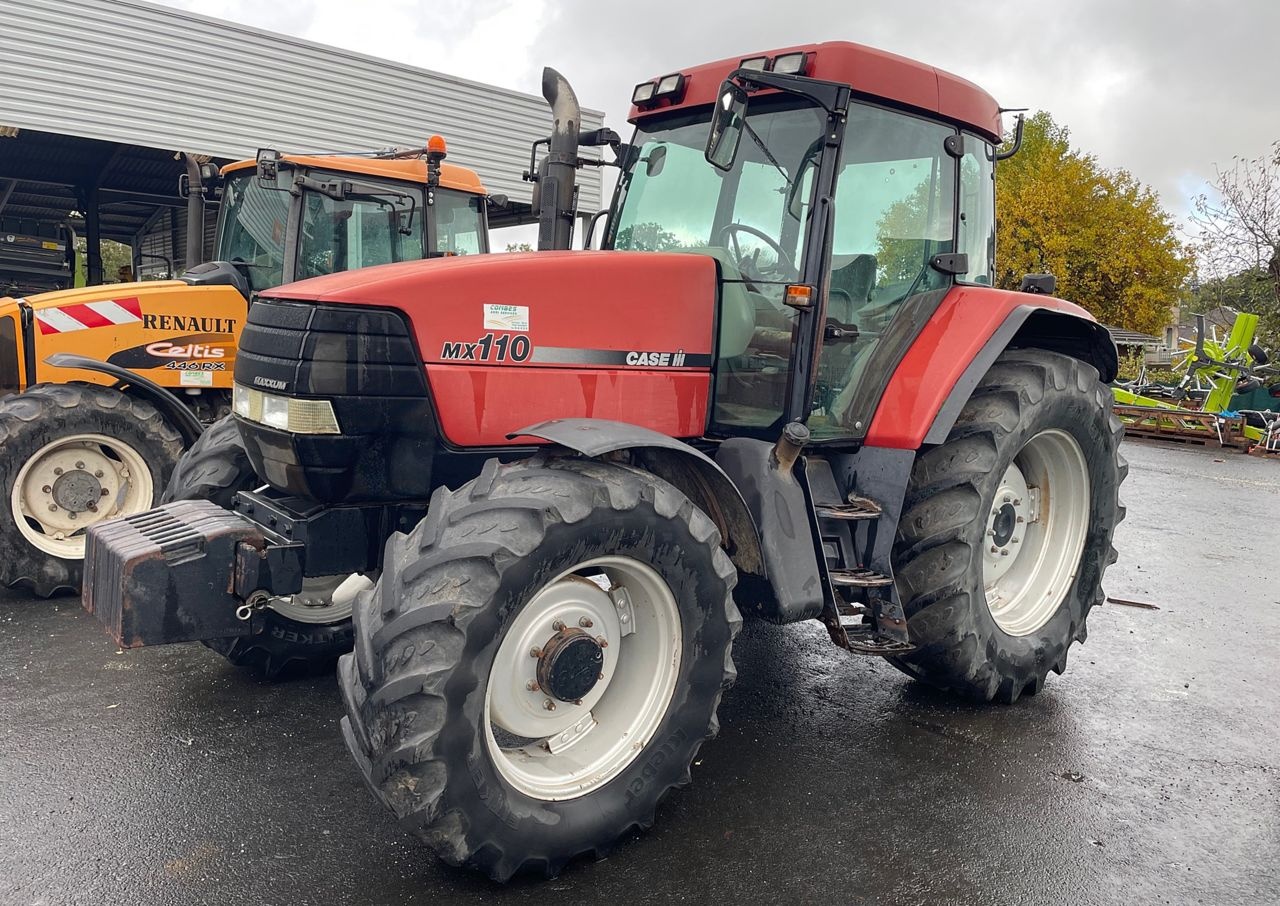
577,308
61,297
512,339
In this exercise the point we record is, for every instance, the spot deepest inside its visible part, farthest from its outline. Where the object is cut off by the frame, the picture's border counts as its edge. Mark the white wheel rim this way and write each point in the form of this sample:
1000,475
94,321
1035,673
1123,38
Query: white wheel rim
74,482
315,604
577,747
1035,532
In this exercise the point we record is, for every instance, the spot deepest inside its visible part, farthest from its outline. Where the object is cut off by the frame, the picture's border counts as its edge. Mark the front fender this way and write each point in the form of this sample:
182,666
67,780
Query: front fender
172,408
692,471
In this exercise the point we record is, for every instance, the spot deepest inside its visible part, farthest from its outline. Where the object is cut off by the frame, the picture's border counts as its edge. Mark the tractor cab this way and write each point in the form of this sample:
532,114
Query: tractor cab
289,217
831,218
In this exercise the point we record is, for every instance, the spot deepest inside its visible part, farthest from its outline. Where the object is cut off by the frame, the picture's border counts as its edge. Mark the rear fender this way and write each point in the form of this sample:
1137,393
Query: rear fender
959,343
1029,327
692,471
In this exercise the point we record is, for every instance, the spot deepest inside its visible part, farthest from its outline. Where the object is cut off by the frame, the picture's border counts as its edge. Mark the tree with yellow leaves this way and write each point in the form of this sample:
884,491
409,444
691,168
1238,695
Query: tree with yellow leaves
1101,232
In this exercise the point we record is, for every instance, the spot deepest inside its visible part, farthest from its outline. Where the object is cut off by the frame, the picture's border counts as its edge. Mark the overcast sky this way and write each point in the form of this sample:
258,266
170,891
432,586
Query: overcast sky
1164,88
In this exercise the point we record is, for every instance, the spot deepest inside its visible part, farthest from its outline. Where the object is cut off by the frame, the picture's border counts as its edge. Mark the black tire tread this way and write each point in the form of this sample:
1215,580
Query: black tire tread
70,405
933,550
412,626
216,468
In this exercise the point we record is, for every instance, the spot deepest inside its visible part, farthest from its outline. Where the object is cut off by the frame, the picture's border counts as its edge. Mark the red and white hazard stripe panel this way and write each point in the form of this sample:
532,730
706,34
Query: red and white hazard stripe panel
87,315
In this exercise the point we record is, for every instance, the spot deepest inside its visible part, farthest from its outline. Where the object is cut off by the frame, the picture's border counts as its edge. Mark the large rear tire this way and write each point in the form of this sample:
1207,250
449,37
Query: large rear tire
1007,528
72,455
216,468
474,706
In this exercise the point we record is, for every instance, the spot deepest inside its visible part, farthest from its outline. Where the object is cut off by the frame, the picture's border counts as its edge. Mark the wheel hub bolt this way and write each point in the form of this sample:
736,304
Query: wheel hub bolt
532,686
47,489
71,515
1004,552
80,465
994,548
585,622
103,493
549,705
602,641
97,473
93,508
53,508
535,652
558,625
57,470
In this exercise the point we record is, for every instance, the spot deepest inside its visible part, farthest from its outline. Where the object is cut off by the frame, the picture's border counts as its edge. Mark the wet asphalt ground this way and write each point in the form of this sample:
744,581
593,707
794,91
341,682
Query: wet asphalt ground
1149,773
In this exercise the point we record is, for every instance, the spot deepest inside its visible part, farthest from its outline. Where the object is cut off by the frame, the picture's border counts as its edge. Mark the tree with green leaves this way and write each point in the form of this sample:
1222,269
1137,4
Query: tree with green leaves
1101,232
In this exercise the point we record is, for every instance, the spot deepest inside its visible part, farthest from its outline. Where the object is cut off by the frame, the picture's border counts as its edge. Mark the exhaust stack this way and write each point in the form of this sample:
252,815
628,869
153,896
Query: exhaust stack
555,188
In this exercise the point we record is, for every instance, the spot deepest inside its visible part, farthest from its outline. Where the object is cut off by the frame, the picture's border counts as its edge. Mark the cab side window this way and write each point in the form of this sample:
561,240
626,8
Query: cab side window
459,223
977,227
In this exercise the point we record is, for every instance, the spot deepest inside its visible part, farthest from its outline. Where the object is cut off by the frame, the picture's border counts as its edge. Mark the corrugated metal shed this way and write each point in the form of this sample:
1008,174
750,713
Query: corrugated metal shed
144,75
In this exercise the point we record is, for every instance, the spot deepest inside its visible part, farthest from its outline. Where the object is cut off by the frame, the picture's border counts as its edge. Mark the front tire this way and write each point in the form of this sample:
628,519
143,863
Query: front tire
216,468
72,455
502,771
1007,528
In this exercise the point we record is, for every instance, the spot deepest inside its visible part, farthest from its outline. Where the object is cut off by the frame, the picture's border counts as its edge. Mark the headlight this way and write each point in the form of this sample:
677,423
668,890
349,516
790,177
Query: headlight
284,413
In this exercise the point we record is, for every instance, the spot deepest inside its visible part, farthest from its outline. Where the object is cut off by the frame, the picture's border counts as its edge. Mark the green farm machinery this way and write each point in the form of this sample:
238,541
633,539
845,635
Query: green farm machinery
1229,393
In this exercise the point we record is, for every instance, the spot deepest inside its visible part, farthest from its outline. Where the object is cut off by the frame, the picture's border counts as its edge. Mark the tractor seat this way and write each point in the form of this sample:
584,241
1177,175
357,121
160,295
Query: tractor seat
853,277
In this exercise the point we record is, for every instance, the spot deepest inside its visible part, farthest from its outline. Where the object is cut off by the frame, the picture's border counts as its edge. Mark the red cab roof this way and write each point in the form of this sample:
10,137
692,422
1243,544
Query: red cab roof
869,72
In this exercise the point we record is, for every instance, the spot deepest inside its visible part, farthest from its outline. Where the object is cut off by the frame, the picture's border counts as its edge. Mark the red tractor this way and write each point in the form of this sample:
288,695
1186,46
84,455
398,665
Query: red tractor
537,490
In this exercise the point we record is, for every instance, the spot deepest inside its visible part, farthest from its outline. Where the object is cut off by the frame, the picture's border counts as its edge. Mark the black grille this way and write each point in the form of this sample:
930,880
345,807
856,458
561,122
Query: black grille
364,362
316,350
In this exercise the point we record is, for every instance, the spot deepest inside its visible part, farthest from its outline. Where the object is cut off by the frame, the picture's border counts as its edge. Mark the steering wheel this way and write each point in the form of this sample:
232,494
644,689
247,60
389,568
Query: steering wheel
729,234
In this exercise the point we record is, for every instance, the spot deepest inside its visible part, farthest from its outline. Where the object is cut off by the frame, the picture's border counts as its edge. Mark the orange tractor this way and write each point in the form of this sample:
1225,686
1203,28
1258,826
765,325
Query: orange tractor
87,431
538,491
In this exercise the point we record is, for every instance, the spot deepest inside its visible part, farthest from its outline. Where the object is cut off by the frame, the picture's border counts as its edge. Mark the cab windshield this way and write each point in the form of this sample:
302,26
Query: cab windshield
377,223
751,218
380,224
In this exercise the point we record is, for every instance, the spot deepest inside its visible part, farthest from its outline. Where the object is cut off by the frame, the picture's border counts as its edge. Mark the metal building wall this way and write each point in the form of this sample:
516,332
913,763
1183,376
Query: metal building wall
133,72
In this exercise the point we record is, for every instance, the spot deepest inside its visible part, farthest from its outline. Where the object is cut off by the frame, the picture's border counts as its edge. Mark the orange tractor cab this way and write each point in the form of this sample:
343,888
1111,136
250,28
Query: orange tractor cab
87,430
536,493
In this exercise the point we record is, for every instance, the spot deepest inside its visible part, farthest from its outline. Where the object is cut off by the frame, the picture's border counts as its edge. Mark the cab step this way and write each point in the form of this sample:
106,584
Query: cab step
859,578
865,639
856,508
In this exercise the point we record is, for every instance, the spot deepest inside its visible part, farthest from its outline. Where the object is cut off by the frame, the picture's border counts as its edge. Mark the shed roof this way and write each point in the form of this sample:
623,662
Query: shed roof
121,85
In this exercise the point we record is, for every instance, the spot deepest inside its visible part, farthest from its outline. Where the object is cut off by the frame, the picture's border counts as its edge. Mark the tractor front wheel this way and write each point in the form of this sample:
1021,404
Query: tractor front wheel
72,455
540,662
301,633
1007,528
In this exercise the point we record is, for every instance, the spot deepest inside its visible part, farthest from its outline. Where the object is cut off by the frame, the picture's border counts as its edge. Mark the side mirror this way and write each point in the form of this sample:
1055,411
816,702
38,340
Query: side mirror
268,165
726,126
598,138
1039,284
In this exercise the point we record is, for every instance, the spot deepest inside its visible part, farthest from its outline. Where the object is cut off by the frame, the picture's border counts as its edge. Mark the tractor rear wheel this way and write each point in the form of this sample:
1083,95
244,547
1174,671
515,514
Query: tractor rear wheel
1007,528
540,662
72,455
300,633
